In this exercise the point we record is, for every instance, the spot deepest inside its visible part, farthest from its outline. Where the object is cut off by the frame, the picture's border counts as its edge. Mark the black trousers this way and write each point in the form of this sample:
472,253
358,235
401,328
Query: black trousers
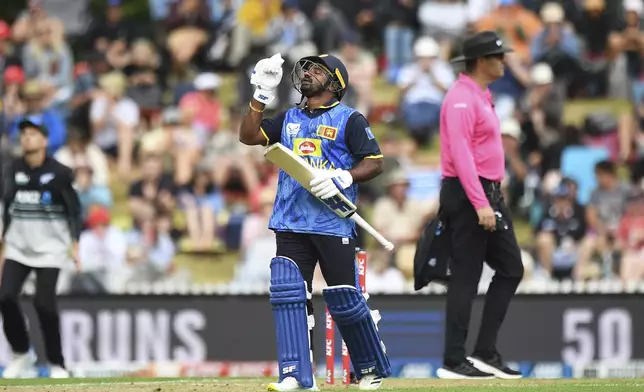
471,247
13,278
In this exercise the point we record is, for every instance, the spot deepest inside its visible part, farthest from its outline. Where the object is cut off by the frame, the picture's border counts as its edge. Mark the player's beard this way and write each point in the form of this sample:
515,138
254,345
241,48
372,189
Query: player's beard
310,87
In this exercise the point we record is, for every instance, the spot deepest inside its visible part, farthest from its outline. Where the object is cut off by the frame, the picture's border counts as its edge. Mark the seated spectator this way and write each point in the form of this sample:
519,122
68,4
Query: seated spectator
8,55
111,27
559,234
329,26
25,26
519,26
630,239
629,39
201,202
90,194
400,219
603,214
114,119
12,82
257,241
557,45
516,169
401,21
176,140
33,96
363,68
256,21
293,34
144,76
102,253
189,26
595,28
81,152
228,157
202,108
154,188
150,251
447,20
423,85
381,276
48,59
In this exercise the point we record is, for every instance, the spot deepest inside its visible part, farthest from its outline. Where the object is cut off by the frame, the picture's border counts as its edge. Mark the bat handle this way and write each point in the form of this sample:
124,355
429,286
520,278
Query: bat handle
369,229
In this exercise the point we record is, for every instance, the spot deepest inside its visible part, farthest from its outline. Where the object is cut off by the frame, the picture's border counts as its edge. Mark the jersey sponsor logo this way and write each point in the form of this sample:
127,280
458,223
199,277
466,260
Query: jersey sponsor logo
21,178
47,177
370,135
292,129
327,132
27,197
307,147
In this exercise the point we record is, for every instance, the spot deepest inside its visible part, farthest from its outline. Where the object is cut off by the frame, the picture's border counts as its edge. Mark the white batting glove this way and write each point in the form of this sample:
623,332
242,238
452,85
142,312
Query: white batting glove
328,183
266,76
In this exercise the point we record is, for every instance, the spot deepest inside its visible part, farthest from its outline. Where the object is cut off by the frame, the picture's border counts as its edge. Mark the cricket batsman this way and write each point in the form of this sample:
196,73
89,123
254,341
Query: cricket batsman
337,141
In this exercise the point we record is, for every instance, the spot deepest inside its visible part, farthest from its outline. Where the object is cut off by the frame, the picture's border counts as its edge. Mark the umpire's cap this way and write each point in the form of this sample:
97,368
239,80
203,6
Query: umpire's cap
486,43
337,72
33,121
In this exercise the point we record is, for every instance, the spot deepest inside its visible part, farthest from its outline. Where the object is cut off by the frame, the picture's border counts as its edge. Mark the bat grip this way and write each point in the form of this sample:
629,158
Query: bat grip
369,229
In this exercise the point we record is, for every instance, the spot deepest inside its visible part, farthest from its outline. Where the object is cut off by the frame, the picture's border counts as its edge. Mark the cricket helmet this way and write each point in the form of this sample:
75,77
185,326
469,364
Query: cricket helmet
337,74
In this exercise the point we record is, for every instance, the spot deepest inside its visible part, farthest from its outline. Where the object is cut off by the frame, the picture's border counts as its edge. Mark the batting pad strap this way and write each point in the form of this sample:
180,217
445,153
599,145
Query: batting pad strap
352,315
288,295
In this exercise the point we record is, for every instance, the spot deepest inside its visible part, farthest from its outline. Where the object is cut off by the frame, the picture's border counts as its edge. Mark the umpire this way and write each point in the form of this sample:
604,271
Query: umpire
42,225
481,228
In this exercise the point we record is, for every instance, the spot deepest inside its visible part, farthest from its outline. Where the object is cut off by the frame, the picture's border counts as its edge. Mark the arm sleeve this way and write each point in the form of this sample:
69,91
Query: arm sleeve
72,206
459,124
359,138
271,128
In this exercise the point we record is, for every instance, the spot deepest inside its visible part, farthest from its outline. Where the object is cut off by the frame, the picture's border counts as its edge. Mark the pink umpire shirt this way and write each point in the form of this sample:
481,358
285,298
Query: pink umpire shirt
470,136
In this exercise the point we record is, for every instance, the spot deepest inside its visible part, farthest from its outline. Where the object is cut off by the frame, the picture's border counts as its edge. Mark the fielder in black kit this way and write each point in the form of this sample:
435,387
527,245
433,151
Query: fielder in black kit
42,224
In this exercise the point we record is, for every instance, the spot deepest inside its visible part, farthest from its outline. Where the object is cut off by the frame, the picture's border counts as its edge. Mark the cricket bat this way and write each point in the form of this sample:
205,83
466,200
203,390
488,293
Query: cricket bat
296,167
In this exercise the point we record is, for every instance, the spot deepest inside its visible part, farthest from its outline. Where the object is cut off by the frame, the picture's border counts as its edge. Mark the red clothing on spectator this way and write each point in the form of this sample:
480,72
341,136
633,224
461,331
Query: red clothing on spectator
631,232
208,111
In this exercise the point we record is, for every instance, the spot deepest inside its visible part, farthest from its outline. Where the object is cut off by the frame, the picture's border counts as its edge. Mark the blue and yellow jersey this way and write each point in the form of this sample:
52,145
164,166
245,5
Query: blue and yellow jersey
334,136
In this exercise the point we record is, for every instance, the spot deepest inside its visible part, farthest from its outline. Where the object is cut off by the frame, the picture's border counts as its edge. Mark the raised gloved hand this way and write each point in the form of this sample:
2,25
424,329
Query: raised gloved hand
328,183
266,76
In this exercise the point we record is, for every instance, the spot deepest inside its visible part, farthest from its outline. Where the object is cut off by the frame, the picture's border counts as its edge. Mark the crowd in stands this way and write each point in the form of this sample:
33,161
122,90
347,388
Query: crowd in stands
137,108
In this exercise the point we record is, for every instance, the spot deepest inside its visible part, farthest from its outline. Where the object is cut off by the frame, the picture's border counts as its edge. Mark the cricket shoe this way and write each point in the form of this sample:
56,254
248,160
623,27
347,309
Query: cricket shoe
495,366
370,382
290,384
59,372
464,371
19,366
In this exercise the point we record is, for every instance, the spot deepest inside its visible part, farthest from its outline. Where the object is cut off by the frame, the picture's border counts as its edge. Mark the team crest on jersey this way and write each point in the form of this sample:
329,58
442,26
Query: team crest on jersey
327,132
21,178
307,147
45,178
292,129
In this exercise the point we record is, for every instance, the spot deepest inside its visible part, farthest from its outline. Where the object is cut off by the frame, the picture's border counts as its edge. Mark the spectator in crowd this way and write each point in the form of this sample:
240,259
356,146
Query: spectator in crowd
255,28
401,21
150,250
6,52
363,68
257,241
401,219
423,85
114,118
155,188
516,168
26,24
48,59
177,141
603,215
382,277
202,109
13,106
293,33
102,253
518,25
33,95
78,151
144,77
559,233
201,201
110,28
329,26
629,39
188,25
557,45
630,238
90,194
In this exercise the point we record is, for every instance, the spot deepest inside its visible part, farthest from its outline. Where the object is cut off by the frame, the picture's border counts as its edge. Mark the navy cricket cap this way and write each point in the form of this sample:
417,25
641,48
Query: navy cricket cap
336,68
34,121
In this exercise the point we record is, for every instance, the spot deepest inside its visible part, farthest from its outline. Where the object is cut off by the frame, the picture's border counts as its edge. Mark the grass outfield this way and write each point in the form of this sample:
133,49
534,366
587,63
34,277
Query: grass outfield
259,384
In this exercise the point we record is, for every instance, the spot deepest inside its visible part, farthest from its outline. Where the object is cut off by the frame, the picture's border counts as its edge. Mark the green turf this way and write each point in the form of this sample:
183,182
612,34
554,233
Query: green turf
246,384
